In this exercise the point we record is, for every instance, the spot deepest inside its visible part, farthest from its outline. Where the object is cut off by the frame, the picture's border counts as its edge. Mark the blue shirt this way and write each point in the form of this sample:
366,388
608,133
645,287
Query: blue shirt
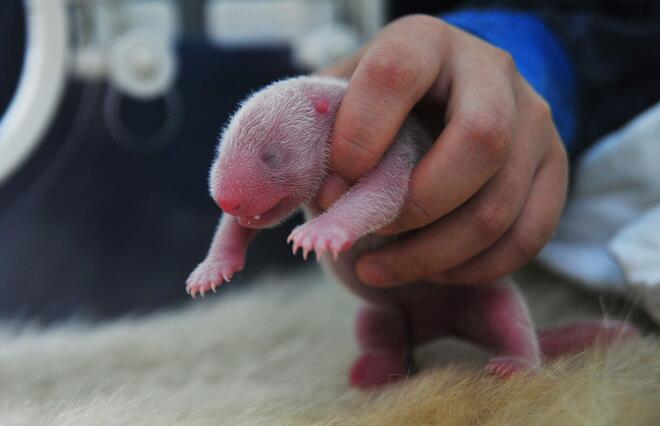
538,55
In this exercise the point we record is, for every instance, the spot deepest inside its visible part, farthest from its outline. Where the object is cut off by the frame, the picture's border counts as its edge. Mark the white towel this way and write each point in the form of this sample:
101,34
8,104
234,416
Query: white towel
609,237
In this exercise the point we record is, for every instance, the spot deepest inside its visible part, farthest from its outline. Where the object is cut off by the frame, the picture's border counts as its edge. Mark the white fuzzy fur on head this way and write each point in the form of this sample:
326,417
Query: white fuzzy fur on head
275,145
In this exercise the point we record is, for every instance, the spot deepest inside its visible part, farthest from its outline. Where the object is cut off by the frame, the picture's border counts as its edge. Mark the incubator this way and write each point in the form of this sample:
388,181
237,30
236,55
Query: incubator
109,116
130,44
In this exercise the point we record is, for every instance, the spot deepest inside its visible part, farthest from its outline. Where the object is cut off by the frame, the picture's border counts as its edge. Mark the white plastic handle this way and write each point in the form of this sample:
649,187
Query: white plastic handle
40,86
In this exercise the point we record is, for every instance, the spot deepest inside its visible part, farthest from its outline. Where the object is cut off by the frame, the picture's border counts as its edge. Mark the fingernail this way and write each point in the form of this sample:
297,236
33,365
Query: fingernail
373,272
333,188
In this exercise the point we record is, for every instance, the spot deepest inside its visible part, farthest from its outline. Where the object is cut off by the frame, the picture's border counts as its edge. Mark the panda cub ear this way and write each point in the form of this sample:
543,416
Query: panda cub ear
321,105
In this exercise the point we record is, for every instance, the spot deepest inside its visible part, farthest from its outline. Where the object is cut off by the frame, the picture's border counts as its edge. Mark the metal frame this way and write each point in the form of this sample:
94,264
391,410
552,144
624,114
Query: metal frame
41,84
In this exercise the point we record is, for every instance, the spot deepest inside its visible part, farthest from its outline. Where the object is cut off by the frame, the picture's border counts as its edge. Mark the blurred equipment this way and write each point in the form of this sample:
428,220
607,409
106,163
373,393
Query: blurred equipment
128,43
319,31
131,45
103,201
40,86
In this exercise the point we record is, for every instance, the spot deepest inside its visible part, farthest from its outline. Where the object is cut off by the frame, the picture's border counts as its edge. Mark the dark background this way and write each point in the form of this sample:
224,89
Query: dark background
97,229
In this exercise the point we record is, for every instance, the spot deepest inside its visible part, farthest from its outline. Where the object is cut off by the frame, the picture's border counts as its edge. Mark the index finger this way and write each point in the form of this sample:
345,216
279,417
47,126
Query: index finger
394,73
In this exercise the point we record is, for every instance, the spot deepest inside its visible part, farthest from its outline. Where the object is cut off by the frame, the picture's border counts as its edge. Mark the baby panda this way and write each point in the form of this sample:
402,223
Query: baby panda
272,159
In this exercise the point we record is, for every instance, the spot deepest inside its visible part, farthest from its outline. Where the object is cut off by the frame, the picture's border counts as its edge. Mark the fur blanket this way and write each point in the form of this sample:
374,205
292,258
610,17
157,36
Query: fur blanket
278,353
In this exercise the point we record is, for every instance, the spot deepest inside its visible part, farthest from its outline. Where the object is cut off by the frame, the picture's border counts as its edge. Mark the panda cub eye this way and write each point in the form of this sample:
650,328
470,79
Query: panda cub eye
270,158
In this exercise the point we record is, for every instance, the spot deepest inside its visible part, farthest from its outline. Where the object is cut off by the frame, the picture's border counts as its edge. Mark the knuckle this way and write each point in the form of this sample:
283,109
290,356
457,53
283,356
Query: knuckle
528,244
394,70
417,215
418,264
490,134
505,61
529,240
417,20
353,140
491,222
542,110
559,160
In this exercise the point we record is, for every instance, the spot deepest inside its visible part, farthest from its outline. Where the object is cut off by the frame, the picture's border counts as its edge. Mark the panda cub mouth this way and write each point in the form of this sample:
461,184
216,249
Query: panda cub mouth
263,219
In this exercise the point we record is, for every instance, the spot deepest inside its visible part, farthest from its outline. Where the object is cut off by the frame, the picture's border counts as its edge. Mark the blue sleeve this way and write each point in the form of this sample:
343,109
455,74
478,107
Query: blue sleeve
538,54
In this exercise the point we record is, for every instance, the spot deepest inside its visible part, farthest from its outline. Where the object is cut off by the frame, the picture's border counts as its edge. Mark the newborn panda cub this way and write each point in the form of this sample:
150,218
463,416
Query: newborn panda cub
272,159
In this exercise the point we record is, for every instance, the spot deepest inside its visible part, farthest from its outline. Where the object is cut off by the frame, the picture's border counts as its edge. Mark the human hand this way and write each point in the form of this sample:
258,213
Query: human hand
487,196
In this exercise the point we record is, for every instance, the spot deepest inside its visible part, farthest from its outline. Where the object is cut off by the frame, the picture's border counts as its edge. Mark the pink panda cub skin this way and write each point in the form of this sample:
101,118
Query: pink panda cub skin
272,159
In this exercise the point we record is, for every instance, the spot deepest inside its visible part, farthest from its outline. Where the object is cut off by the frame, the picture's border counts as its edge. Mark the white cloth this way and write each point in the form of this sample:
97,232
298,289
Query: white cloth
609,236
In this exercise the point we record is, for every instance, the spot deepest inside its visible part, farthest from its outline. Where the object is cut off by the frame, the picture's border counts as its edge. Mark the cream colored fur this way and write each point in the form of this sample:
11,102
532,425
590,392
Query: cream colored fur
278,353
